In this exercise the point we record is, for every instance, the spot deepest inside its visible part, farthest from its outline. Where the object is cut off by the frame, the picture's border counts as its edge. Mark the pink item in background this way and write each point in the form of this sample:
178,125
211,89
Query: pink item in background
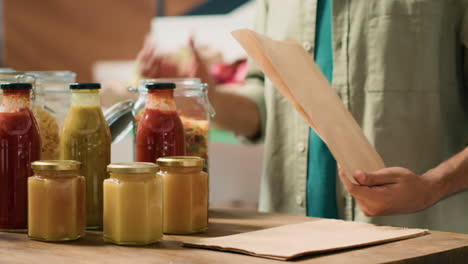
229,73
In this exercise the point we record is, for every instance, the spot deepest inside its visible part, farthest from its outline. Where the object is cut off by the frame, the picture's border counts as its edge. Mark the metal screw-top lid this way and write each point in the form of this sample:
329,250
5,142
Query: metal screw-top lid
133,167
160,86
58,165
85,86
16,86
181,161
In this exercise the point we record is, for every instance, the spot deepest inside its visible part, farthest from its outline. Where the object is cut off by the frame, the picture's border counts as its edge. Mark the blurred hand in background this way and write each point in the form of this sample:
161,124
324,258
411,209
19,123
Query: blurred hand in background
154,65
188,62
208,66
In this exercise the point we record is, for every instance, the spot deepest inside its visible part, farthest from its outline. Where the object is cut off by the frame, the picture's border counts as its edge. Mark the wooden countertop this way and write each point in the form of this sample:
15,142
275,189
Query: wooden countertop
437,247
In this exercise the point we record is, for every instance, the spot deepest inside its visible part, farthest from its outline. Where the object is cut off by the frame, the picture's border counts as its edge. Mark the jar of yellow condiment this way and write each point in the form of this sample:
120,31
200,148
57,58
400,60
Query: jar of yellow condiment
56,201
185,194
86,138
133,204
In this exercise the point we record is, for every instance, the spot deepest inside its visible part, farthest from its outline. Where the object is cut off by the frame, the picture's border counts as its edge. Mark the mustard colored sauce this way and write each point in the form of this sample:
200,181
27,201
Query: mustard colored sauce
185,200
133,209
86,138
56,206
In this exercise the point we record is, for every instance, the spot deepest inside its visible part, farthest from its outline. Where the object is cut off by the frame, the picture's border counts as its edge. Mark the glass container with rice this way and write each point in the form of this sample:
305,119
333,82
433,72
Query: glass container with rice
193,108
50,100
51,104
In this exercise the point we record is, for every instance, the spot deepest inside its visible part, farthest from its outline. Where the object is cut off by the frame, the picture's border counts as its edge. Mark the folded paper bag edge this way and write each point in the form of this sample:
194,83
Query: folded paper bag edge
231,242
251,42
207,246
234,250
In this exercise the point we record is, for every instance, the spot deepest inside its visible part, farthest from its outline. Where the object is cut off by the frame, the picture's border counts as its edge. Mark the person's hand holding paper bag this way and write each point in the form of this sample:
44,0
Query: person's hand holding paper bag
299,80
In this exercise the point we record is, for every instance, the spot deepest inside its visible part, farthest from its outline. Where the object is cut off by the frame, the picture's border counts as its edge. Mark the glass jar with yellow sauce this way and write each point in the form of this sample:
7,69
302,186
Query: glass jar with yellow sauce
86,138
185,194
133,205
56,201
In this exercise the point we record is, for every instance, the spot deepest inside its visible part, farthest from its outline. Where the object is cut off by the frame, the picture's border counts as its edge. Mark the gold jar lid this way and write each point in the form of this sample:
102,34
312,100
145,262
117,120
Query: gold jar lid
181,161
58,165
133,167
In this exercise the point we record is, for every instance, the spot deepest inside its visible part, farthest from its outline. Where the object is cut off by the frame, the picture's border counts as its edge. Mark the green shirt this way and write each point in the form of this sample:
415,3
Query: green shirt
398,67
321,167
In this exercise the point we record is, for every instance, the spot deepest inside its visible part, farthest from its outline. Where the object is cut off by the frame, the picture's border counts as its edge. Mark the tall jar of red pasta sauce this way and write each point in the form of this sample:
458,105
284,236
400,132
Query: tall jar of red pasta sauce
19,146
160,132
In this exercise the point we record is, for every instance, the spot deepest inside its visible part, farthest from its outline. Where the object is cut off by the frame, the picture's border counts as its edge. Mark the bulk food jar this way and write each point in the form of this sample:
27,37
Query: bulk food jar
51,101
56,201
133,204
51,104
194,109
185,194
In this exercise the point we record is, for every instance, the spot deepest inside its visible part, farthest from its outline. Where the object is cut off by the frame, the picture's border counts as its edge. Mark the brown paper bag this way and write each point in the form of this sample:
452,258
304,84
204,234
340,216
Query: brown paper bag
299,80
292,241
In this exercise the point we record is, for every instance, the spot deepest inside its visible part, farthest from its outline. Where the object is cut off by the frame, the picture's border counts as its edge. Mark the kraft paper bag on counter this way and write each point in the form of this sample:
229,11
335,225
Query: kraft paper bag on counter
295,240
299,80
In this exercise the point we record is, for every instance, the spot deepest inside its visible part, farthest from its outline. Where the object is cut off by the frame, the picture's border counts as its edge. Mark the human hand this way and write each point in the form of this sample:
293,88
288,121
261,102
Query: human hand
154,65
390,191
197,67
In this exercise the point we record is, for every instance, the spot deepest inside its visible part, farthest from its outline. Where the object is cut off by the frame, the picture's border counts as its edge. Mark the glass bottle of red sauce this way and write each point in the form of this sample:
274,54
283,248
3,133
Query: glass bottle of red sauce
160,132
19,146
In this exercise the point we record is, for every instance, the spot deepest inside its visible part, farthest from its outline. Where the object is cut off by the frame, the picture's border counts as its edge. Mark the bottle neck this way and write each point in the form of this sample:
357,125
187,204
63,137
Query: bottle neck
86,98
162,100
15,100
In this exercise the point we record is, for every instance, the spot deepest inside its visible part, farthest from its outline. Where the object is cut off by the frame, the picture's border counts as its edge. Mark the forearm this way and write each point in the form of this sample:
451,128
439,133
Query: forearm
235,112
449,177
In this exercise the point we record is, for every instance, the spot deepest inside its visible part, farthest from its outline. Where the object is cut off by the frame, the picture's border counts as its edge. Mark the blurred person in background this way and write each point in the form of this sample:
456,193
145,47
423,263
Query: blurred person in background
399,68
223,79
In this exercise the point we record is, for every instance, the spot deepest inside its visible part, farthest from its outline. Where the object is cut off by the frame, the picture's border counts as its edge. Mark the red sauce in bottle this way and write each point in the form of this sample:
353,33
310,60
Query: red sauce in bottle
19,146
160,132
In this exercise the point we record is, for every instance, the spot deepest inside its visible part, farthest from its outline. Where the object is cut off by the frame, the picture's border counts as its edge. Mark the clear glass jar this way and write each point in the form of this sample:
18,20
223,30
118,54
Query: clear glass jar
133,204
194,109
185,194
51,101
51,104
56,201
86,138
